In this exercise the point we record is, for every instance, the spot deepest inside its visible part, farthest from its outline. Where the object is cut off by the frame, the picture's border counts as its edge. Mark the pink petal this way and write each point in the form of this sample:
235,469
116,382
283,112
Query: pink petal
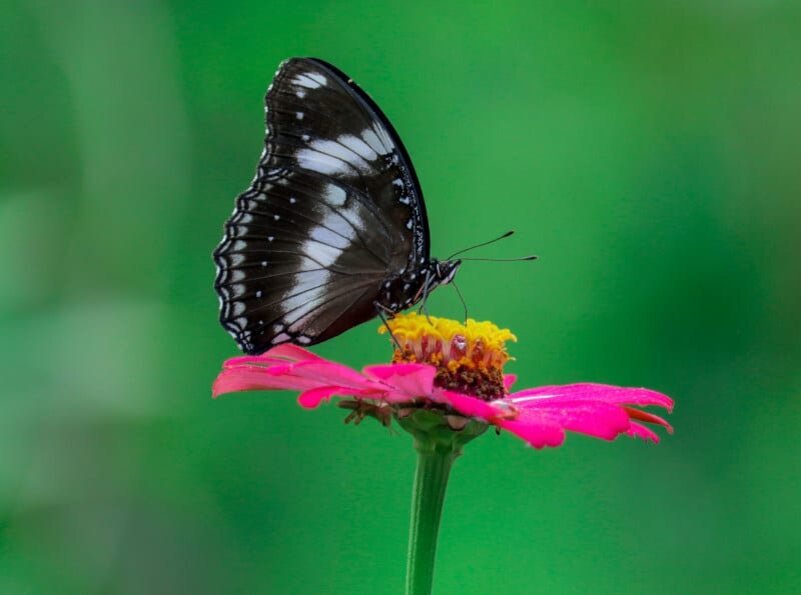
601,392
407,381
314,396
509,380
286,353
594,409
242,378
600,420
537,435
646,434
327,373
593,418
264,373
648,418
293,352
467,405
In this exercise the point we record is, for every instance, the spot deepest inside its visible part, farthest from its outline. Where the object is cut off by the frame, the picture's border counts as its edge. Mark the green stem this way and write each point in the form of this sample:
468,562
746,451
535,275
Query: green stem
438,439
434,461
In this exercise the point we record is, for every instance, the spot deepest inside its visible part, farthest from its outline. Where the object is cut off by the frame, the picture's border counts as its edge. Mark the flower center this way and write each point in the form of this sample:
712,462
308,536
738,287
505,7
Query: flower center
469,357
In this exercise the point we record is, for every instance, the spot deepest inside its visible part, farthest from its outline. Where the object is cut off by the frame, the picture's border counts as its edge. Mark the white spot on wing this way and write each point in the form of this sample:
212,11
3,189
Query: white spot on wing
376,144
358,146
325,235
340,151
334,195
304,295
318,78
324,245
310,80
320,162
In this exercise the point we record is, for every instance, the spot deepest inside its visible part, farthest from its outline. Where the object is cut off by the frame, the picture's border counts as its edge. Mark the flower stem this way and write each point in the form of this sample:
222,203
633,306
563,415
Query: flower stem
438,439
434,461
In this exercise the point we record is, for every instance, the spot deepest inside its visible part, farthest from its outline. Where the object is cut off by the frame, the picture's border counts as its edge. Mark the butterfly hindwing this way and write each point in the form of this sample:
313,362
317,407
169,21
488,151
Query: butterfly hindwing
334,210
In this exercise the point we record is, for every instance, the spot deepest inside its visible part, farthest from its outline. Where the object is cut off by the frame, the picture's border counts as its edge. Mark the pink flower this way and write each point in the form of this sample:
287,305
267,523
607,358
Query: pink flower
456,369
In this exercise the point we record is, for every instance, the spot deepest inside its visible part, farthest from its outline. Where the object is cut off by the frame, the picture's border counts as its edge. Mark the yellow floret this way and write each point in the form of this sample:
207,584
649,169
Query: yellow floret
469,357
414,326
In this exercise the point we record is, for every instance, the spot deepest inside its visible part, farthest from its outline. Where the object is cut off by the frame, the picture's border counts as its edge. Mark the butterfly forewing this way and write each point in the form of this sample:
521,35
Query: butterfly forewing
334,210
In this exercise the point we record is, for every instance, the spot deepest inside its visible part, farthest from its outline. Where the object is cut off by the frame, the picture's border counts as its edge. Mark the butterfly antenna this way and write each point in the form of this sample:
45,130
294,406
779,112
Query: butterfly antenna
461,299
520,259
500,237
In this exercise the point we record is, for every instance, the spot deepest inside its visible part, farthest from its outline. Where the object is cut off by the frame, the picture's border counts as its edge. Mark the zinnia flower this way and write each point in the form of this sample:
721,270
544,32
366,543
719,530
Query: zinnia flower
455,370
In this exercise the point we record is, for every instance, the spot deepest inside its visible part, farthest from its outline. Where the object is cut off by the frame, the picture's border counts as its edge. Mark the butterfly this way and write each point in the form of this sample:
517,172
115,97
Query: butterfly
332,231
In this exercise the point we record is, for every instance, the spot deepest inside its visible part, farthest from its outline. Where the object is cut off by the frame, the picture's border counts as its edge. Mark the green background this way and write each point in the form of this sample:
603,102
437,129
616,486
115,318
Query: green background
647,151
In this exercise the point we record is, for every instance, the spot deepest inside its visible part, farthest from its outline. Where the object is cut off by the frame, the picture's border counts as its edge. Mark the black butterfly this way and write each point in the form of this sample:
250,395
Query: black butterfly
333,229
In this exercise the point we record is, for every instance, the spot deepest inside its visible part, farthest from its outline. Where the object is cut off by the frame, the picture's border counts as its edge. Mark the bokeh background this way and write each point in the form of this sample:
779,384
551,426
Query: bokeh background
647,151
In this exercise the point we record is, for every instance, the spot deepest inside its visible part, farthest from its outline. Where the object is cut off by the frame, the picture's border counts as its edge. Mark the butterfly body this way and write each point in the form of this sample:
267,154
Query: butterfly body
408,288
333,230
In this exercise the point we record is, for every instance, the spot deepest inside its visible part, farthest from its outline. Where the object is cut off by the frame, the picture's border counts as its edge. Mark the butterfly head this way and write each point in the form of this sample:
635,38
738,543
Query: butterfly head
444,271
434,274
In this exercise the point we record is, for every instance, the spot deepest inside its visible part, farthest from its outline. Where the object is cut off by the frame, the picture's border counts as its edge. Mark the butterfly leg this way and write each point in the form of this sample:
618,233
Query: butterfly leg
381,310
461,299
424,299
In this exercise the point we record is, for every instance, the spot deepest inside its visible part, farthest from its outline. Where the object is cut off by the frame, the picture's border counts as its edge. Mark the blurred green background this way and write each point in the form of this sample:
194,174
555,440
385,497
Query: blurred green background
647,151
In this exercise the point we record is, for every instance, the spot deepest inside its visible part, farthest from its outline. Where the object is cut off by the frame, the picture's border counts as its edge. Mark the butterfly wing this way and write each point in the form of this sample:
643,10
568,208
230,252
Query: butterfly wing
334,210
